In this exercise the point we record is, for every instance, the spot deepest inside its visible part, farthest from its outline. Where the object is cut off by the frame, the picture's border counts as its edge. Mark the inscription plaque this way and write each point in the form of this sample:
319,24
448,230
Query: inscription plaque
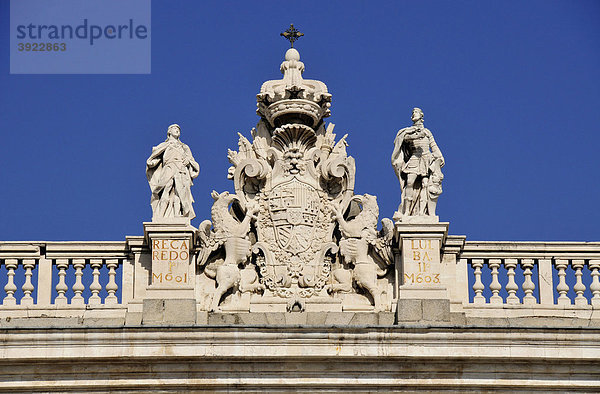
170,263
422,265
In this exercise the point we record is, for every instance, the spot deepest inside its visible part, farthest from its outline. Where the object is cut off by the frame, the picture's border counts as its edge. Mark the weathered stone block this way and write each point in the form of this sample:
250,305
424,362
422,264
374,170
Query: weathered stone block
436,310
487,321
180,311
338,318
153,311
386,318
201,317
410,310
169,312
133,319
316,318
296,318
103,322
275,318
253,319
364,319
458,319
224,319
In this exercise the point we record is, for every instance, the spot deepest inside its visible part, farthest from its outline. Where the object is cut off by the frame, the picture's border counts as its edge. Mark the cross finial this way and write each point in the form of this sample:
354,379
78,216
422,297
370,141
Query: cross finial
292,34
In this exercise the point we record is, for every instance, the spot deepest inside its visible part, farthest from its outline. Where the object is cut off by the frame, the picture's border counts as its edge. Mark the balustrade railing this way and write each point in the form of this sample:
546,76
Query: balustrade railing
532,274
57,275
95,287
513,275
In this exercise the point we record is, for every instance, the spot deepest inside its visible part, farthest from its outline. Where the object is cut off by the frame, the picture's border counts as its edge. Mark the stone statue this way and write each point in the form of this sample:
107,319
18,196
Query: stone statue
417,161
170,170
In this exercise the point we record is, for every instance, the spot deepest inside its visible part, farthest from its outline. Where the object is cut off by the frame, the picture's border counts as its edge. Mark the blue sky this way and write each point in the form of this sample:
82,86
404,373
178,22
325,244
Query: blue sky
510,89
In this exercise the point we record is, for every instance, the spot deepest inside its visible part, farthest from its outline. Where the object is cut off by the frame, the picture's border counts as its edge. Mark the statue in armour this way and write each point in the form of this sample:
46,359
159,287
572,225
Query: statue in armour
170,170
417,161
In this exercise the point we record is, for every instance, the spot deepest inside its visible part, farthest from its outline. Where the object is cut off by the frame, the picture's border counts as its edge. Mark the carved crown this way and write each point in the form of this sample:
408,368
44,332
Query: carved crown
293,99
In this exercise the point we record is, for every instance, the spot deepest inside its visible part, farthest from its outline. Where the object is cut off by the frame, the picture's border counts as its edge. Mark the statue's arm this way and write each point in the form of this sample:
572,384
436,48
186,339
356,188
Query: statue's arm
193,165
435,150
155,157
398,145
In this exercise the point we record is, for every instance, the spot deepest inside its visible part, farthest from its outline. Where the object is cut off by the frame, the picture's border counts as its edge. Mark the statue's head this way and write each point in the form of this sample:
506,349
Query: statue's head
174,130
417,115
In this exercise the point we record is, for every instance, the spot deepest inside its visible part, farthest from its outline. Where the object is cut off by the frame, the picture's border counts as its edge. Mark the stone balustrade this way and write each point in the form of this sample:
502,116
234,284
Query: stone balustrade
549,283
64,279
484,279
529,274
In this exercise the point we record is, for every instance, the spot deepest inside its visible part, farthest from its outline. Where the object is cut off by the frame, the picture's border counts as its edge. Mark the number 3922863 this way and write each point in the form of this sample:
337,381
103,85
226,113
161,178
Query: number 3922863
42,47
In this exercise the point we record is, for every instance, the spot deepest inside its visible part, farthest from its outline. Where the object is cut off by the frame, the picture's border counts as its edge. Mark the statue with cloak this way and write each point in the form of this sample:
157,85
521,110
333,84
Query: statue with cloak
170,170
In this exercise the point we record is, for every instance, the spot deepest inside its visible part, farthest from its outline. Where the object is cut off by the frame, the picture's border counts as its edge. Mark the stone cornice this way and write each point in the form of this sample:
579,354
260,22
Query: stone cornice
293,358
289,342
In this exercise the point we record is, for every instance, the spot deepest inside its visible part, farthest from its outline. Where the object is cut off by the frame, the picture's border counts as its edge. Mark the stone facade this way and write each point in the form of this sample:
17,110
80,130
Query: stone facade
309,359
296,284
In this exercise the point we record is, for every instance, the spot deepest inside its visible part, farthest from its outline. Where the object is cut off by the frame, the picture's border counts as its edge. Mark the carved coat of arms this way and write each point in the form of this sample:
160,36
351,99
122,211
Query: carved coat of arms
294,211
295,224
294,189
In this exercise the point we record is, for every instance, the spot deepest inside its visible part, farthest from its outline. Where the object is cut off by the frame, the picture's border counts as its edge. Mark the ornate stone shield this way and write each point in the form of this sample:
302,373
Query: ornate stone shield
294,209
294,229
293,183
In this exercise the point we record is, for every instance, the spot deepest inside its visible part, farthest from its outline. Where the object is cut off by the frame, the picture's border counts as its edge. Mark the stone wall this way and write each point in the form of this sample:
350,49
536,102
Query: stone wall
276,358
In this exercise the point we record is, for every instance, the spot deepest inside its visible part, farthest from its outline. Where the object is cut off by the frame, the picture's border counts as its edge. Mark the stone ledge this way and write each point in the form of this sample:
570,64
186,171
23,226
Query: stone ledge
299,358
301,319
181,313
304,374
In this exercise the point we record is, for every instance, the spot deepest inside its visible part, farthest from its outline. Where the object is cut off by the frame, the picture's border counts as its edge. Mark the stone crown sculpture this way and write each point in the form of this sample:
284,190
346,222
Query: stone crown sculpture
293,99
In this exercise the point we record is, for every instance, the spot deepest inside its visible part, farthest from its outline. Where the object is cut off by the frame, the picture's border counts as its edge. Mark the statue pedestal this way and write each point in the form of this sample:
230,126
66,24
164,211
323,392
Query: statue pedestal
422,290
170,295
173,272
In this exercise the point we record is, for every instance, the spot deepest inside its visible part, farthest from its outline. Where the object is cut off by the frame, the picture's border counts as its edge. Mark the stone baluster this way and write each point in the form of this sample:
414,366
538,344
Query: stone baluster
495,286
95,287
595,285
61,287
562,288
528,285
579,287
111,286
478,286
511,286
10,288
78,287
28,287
